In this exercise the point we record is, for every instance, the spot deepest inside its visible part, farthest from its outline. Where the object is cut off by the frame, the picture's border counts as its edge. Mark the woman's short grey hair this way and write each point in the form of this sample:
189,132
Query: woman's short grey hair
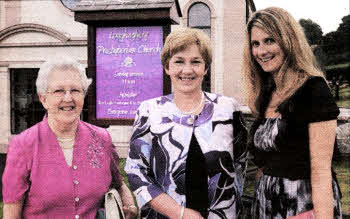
60,64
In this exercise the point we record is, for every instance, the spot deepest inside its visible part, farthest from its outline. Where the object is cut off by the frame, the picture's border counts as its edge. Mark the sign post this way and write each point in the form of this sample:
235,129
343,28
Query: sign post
125,41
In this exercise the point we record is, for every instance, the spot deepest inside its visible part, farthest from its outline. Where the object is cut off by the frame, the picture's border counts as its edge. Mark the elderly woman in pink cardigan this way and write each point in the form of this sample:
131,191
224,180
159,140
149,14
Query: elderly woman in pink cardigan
62,166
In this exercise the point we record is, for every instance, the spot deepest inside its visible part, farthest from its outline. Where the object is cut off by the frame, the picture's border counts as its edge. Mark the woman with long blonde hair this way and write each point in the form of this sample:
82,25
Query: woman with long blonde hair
292,138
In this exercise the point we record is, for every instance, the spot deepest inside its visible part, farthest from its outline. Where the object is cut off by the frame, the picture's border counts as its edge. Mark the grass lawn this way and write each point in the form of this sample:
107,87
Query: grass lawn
121,165
344,95
249,185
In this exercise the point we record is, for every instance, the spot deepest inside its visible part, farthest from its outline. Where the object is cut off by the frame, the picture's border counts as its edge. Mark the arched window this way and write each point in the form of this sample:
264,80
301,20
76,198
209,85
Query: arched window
199,17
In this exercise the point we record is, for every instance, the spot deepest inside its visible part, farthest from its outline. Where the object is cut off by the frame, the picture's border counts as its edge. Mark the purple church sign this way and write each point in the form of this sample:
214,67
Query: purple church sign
128,69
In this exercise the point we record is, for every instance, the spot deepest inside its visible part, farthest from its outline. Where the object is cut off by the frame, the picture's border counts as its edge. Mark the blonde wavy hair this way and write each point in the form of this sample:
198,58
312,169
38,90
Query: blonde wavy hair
299,64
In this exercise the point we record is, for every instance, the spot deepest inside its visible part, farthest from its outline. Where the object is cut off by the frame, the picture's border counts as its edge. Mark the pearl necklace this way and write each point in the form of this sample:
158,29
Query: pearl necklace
66,143
65,140
196,108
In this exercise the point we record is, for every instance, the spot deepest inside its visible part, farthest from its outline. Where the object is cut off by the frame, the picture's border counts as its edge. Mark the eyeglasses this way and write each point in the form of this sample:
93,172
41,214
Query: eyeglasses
61,92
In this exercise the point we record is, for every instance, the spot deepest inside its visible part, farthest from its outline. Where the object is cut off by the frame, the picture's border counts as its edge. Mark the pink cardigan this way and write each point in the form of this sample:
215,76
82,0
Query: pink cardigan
37,172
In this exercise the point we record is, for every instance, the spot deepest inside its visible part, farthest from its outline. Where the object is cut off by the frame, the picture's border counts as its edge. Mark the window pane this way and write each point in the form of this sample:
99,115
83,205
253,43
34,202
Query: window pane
26,109
84,116
199,15
206,85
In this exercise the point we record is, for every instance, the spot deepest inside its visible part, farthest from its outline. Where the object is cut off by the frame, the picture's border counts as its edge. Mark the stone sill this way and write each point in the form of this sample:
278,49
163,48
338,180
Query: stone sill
344,115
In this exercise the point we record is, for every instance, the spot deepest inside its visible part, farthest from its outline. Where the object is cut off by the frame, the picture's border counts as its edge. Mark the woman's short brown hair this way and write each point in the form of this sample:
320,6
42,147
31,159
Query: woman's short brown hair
180,39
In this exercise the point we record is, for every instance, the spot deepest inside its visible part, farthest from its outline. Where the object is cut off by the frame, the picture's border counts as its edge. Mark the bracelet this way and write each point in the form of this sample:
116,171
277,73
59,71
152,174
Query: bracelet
131,206
182,211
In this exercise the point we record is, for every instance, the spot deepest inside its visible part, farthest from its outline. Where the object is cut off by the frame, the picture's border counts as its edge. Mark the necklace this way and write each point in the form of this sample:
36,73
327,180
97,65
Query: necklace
66,143
196,108
64,140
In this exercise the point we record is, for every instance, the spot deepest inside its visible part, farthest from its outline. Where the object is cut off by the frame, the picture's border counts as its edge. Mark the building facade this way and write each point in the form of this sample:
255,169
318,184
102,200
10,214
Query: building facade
32,31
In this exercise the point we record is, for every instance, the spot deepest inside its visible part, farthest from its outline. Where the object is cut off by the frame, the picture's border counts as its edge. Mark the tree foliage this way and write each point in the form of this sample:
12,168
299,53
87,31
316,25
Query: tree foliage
312,30
344,31
336,44
345,26
336,47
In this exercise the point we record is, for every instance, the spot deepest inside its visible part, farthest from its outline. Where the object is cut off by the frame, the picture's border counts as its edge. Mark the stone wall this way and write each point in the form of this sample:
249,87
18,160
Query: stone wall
343,131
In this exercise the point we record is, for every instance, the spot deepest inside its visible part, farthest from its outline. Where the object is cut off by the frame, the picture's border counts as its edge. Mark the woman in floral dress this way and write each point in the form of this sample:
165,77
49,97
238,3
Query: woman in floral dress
187,155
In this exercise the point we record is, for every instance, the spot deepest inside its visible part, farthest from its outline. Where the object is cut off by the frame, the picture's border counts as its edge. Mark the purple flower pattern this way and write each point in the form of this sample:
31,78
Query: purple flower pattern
95,150
158,151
